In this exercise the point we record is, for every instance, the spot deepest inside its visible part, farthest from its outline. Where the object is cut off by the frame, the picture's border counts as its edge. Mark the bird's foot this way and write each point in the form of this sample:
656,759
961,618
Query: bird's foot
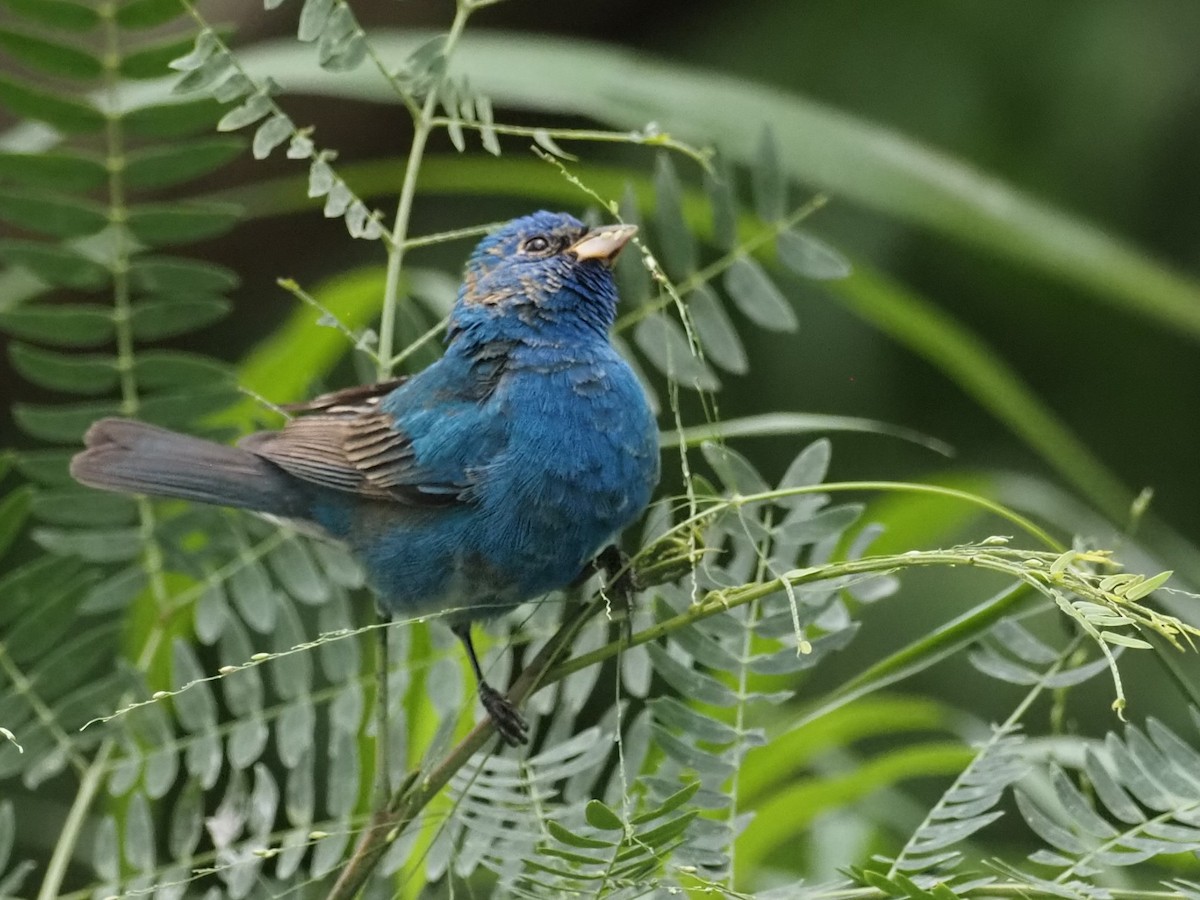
510,724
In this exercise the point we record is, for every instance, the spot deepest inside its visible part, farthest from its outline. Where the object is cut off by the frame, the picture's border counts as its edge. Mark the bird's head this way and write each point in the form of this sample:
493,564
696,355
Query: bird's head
545,270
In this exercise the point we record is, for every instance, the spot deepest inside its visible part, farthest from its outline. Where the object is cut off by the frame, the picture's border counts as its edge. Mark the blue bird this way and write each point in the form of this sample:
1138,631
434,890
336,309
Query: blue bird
493,476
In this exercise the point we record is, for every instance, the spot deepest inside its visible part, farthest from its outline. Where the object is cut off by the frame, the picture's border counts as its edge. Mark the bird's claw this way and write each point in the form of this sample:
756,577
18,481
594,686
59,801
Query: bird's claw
510,724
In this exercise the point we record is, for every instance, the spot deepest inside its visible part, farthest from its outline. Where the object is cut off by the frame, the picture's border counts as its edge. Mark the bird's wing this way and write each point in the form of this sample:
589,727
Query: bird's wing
351,396
418,441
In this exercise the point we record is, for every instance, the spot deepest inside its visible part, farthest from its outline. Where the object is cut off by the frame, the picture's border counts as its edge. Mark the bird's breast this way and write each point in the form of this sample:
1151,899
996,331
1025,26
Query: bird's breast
580,465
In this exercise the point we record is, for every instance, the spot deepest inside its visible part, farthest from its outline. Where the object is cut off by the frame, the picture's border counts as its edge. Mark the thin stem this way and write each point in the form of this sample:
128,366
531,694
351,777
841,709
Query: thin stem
408,191
643,138
56,870
719,601
1034,530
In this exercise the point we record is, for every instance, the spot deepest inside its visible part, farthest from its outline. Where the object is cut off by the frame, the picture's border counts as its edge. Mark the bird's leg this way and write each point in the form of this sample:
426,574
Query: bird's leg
510,725
382,618
621,581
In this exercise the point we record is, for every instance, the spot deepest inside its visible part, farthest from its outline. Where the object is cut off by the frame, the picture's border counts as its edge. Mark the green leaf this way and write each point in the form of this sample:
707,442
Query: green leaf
688,681
56,13
672,803
62,424
715,332
14,509
665,345
81,507
600,816
571,839
172,223
176,274
68,115
810,257
251,110
253,597
677,243
297,572
313,16
63,325
60,372
164,166
157,319
196,707
1149,586
270,134
148,13
107,546
767,179
809,467
62,170
210,76
54,265
152,61
718,184
48,467
119,590
734,470
826,523
343,46
661,834
52,214
171,368
182,408
49,56
757,297
173,119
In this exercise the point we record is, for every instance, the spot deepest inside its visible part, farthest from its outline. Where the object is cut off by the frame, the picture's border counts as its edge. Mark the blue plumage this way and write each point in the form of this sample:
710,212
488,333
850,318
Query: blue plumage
491,477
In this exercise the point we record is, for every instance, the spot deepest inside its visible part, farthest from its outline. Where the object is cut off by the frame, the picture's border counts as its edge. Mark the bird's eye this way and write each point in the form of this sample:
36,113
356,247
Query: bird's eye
536,244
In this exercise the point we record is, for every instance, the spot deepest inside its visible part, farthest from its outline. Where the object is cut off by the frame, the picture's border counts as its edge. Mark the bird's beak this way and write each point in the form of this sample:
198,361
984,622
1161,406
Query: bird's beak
603,243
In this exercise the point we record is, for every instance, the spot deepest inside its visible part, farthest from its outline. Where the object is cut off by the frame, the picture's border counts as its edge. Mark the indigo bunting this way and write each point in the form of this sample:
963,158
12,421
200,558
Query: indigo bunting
493,476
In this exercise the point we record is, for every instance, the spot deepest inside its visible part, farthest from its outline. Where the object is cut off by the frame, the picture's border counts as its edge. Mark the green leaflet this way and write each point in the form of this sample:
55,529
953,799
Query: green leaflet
61,170
160,224
14,508
147,13
170,120
63,325
170,164
55,265
59,371
179,275
51,213
52,57
45,106
156,319
66,14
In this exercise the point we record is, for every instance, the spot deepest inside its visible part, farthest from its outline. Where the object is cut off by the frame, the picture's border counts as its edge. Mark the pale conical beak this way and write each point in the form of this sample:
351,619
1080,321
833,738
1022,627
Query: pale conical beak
603,243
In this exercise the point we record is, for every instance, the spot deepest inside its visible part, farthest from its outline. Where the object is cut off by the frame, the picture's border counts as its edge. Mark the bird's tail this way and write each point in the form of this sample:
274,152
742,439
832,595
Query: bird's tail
126,455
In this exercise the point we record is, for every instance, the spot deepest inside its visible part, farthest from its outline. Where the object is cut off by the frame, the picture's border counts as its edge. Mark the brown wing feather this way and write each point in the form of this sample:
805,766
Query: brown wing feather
341,440
351,396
